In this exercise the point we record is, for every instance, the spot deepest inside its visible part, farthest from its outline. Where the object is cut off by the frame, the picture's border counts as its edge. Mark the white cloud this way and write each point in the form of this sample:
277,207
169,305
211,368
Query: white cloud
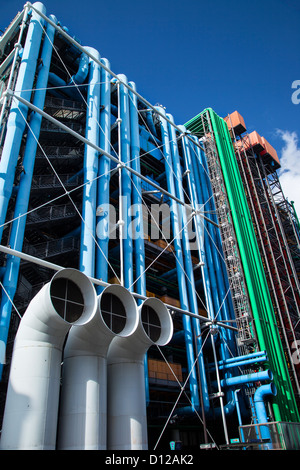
289,174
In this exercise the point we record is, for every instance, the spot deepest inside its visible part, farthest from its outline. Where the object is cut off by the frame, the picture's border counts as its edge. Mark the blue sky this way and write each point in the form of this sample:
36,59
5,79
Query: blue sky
190,54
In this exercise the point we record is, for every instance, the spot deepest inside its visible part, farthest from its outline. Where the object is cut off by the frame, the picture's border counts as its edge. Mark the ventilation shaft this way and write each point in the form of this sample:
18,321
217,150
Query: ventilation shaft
126,412
31,410
83,407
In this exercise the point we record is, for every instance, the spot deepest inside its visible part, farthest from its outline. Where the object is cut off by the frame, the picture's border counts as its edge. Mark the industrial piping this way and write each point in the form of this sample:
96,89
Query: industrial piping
247,378
260,409
102,213
138,229
89,198
16,122
31,410
125,188
83,405
174,176
18,225
126,415
183,295
139,247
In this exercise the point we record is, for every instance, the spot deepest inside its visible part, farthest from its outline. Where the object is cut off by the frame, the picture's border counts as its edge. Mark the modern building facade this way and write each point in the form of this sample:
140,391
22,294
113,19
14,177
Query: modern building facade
181,235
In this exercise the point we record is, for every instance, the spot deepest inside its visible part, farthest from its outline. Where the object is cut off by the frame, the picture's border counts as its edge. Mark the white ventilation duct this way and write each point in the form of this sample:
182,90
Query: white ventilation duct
31,410
83,408
126,411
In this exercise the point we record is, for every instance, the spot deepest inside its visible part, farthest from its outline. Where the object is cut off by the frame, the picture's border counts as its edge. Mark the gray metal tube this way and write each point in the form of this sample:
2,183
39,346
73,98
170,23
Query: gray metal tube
31,409
83,405
126,411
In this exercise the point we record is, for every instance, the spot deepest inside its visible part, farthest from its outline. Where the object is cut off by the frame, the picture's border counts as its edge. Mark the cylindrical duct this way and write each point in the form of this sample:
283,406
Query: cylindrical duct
260,409
126,410
247,378
31,410
82,421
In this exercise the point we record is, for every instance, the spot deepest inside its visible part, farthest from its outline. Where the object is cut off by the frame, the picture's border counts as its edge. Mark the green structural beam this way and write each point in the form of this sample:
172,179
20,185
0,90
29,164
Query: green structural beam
284,404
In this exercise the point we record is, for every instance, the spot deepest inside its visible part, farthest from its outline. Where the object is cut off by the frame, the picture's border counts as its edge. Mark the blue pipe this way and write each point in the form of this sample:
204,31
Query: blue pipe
242,358
243,363
64,89
21,206
216,271
18,113
217,283
175,168
260,409
184,302
247,378
212,257
169,274
136,194
103,178
126,184
217,276
213,282
199,224
77,79
237,405
139,245
200,165
89,199
150,123
83,67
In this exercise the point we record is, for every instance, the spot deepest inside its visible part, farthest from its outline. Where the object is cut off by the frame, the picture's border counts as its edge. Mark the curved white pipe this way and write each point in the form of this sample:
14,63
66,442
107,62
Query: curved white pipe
31,409
126,410
83,410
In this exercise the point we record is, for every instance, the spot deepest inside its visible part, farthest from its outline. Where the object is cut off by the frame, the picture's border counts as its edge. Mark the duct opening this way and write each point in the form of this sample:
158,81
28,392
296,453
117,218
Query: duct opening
67,299
113,312
151,323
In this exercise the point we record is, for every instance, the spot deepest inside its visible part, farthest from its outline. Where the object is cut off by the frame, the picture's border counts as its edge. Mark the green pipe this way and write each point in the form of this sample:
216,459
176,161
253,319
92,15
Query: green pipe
295,214
284,404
